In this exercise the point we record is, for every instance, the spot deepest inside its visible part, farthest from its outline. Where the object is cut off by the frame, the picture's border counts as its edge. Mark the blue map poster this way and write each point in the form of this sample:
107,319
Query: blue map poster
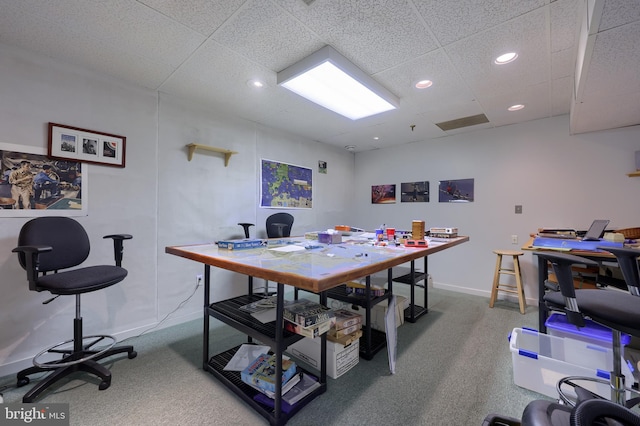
284,185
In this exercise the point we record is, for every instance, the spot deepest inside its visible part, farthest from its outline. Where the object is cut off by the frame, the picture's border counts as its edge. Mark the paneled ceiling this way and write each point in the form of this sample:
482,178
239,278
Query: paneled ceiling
207,51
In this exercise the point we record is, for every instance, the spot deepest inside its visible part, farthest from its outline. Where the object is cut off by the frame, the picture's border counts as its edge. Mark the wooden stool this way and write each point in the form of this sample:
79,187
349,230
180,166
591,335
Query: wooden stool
518,289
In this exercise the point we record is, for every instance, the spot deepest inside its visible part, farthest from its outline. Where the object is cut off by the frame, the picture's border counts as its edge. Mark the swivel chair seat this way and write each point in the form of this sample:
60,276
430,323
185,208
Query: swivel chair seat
614,309
46,247
588,413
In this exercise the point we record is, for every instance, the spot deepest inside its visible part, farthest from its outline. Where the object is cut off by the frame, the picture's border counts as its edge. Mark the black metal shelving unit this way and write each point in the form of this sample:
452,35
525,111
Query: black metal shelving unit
372,340
272,334
413,312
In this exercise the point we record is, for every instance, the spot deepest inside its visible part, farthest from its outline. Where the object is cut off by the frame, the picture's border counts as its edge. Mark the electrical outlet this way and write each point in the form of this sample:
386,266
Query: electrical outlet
514,239
199,280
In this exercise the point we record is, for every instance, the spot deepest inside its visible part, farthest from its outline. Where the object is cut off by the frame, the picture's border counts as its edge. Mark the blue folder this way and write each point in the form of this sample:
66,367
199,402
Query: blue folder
572,244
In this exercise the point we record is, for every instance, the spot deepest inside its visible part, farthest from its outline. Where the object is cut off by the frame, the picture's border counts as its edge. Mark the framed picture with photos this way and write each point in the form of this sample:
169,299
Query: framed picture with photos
87,146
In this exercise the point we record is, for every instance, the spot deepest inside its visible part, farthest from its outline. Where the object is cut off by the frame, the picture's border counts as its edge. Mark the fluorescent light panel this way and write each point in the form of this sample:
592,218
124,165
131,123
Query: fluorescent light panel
330,80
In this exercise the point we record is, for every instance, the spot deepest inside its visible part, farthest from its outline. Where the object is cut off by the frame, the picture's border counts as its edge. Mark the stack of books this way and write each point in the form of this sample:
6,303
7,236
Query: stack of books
307,318
261,374
359,289
557,233
304,386
347,325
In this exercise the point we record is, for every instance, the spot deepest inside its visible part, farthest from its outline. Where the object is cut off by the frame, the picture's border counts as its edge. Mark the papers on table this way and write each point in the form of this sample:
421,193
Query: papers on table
288,248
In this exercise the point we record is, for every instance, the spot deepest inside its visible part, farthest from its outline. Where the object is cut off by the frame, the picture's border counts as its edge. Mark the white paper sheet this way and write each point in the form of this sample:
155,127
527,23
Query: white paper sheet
244,355
392,335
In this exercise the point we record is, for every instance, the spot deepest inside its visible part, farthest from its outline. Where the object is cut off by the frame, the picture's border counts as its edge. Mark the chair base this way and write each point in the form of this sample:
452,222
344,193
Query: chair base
86,362
618,394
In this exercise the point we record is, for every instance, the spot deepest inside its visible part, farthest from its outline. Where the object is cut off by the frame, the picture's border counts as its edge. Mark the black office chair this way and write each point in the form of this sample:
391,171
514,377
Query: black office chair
628,262
588,413
617,310
52,244
279,225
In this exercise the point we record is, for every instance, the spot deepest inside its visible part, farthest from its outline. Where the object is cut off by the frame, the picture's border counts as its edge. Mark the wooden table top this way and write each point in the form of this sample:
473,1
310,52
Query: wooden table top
315,269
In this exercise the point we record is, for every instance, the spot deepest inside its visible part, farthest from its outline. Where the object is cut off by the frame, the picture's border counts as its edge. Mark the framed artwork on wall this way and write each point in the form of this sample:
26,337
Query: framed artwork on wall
383,194
456,191
285,186
33,184
414,192
87,146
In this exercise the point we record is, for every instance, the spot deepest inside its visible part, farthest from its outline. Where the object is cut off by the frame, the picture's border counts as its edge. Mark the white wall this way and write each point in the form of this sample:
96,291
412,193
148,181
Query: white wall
159,197
559,179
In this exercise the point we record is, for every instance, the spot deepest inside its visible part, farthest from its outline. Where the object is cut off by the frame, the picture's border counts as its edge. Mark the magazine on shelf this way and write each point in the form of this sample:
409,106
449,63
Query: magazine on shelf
304,387
286,387
260,305
306,313
261,372
244,355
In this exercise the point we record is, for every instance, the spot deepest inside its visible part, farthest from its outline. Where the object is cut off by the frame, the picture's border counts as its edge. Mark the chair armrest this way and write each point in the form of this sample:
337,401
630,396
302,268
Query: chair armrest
562,264
118,246
29,259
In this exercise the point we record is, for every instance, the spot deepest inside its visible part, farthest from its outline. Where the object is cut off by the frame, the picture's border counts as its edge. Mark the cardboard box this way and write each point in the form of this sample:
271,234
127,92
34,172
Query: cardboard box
327,238
340,358
540,361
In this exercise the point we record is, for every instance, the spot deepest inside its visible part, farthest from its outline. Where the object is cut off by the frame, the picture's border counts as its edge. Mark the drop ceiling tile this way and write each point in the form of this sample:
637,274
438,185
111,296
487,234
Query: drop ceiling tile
619,12
157,39
615,62
563,63
453,20
607,113
266,34
375,36
527,35
434,66
536,100
565,21
203,16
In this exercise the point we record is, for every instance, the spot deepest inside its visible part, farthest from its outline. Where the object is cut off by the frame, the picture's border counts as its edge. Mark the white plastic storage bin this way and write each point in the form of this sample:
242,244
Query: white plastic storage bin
541,360
558,325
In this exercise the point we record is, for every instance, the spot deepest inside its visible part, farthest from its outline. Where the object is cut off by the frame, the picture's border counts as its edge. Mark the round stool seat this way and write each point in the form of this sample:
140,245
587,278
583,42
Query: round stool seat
508,252
515,271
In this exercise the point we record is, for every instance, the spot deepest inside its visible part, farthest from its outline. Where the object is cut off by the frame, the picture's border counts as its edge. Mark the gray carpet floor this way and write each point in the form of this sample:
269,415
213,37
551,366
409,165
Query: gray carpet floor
453,368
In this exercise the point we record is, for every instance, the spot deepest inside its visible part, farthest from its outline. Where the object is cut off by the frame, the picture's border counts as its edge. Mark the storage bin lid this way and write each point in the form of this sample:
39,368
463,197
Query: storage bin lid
591,330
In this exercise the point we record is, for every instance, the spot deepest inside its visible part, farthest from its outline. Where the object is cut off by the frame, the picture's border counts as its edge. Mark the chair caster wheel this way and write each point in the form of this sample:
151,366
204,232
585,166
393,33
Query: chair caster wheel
132,354
23,382
104,385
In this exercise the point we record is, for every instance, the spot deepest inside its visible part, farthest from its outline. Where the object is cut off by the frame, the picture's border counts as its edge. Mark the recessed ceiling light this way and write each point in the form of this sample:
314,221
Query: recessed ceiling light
423,84
375,138
515,107
255,83
506,58
350,147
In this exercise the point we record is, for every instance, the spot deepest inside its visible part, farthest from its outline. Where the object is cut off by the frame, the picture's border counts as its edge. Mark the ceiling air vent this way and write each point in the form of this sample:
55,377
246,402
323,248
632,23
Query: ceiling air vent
458,123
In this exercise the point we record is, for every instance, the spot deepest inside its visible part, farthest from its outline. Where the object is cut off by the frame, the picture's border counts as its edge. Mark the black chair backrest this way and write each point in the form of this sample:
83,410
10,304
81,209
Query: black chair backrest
67,238
273,231
628,262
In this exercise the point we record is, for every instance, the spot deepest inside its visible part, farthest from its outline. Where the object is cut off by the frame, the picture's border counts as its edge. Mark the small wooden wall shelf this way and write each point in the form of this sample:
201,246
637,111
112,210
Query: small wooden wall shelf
634,174
227,154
